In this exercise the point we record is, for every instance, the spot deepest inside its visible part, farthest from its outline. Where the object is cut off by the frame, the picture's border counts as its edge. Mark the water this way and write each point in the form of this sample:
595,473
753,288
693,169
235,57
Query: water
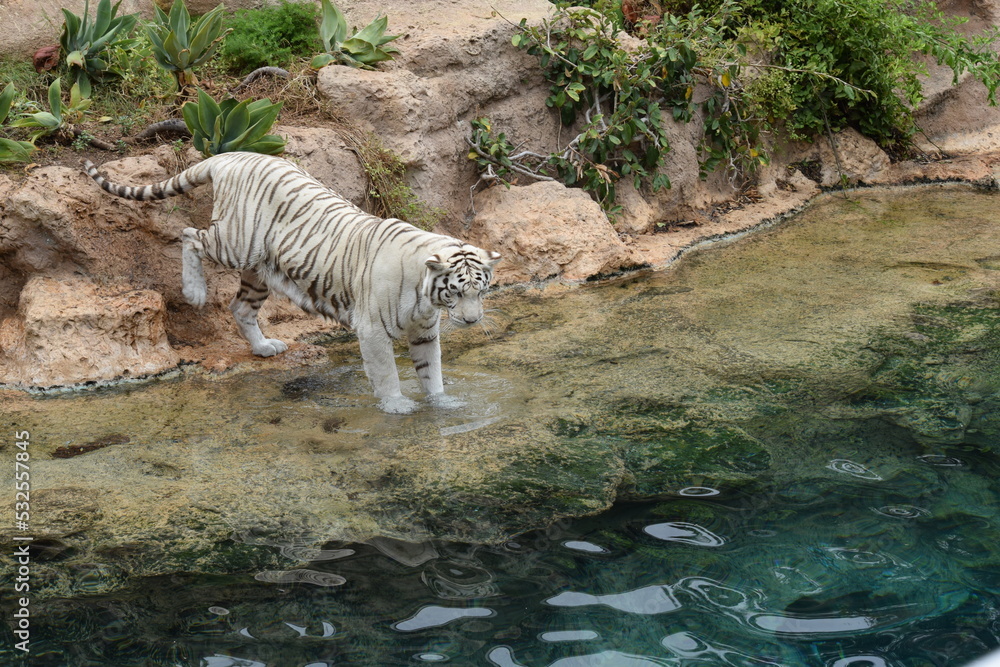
843,569
808,415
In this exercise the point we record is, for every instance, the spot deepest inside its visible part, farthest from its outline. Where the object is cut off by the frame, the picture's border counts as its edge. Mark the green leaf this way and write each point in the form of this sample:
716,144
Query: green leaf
261,119
321,61
373,31
192,119
71,30
75,98
15,151
180,21
55,100
209,31
41,119
103,19
359,48
333,27
237,123
6,100
208,111
75,59
269,145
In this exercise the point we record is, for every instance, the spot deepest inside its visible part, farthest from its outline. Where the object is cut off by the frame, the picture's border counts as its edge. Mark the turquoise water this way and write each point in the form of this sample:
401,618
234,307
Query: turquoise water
810,416
846,568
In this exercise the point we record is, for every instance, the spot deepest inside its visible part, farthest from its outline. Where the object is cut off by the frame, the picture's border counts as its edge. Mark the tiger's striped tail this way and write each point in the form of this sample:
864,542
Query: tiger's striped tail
183,182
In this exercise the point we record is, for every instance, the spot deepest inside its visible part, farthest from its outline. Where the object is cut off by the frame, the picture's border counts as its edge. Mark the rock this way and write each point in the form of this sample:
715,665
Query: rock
689,196
325,156
636,216
857,158
547,230
71,331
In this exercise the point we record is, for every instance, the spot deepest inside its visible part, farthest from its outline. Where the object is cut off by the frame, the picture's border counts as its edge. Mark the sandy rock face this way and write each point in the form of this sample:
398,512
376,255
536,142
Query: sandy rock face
545,230
71,330
325,157
455,64
31,24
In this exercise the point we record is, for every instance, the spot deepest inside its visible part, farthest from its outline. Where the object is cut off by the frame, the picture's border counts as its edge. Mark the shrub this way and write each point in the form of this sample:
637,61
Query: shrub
275,35
806,66
820,45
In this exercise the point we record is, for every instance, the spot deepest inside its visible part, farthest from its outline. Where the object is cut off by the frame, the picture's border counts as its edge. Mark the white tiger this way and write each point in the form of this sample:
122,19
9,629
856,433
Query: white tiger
288,233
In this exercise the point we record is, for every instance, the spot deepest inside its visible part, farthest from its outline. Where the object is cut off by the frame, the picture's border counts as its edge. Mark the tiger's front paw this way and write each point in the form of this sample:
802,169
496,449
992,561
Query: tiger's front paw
445,402
269,347
397,405
195,294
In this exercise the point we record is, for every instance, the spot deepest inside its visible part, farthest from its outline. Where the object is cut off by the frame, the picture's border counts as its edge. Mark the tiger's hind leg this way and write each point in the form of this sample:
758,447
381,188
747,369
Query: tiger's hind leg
192,273
244,307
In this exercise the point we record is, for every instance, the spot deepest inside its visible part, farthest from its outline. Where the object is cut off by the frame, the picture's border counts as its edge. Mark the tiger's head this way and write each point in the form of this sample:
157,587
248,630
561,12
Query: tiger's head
456,280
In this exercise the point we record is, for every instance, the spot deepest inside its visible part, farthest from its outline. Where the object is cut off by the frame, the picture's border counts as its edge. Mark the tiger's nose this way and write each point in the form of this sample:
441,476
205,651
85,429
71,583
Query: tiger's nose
471,320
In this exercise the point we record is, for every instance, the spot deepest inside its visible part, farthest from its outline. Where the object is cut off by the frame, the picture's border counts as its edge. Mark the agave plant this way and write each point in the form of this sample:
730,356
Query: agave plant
364,49
232,126
58,116
179,45
84,40
11,150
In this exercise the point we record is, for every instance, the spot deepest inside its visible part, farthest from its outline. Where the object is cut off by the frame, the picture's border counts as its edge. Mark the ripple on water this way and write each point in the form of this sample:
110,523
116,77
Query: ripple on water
315,555
300,577
452,579
689,646
860,661
685,533
849,467
502,656
902,511
698,492
941,460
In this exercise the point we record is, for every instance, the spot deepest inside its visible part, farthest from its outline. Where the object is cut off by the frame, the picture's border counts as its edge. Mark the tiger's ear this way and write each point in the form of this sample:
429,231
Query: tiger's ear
494,258
434,263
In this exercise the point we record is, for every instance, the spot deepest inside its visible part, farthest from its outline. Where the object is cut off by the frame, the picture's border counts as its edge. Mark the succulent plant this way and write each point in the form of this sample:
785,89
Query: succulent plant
223,127
179,45
11,150
58,116
364,49
84,40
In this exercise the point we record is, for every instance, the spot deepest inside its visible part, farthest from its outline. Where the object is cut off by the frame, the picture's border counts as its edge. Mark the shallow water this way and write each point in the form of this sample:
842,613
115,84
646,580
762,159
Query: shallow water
811,413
